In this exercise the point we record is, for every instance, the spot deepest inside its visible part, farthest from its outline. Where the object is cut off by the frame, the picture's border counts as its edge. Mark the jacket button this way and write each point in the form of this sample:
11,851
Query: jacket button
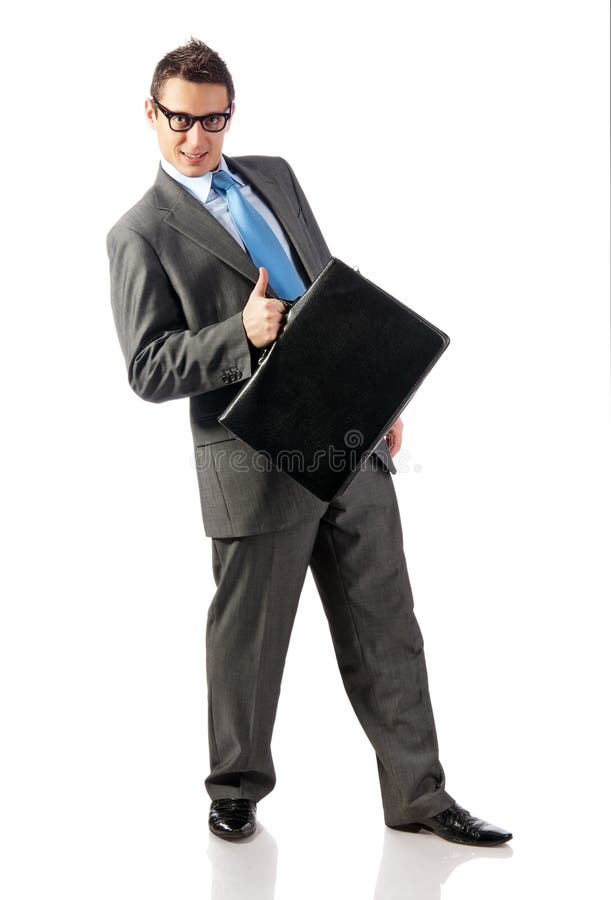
230,375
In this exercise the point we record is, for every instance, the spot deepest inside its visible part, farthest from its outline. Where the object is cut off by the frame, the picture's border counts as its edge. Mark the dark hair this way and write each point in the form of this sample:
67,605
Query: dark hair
193,61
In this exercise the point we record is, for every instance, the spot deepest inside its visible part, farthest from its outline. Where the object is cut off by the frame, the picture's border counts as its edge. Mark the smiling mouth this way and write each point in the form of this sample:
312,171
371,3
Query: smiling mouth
194,155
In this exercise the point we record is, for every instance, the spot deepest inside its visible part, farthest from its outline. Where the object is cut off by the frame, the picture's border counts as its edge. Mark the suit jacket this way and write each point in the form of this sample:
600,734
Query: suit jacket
179,283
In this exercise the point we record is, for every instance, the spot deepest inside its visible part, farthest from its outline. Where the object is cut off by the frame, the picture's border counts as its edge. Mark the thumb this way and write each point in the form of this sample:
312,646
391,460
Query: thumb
261,285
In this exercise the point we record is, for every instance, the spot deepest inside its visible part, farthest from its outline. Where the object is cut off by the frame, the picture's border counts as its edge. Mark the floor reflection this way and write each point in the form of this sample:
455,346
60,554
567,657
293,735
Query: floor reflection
414,866
244,869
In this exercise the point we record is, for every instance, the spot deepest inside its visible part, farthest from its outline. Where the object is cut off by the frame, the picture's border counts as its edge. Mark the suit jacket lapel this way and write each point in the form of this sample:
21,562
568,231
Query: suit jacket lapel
189,217
282,209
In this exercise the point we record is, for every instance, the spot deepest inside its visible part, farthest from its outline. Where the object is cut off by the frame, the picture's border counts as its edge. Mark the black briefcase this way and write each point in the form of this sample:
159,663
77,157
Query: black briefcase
348,360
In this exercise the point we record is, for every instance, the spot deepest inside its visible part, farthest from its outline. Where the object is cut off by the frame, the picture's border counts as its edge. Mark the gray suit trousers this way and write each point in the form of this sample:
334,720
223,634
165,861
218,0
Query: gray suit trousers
355,550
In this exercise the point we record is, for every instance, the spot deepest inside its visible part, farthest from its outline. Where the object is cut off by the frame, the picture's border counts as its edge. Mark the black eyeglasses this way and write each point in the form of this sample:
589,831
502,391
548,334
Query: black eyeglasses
183,122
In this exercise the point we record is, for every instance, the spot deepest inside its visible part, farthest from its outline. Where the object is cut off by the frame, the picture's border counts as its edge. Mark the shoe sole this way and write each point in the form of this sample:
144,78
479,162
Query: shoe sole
228,836
415,827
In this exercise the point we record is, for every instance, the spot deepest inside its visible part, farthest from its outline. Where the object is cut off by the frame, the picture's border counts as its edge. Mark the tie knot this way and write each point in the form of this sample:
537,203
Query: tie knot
222,181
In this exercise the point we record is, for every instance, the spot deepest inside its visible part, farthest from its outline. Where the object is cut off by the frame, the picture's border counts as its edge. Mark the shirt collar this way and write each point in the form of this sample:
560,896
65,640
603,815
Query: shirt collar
200,186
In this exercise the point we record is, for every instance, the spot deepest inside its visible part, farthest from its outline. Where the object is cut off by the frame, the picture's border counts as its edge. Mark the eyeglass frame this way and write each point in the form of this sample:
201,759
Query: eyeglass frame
168,113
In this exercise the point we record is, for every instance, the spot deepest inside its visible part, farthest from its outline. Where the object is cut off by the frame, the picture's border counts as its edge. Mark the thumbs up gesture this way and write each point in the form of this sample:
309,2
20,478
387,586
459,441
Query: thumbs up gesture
263,317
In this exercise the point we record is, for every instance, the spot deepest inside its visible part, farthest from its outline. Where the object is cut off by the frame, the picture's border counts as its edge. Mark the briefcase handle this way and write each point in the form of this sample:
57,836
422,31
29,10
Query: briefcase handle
289,305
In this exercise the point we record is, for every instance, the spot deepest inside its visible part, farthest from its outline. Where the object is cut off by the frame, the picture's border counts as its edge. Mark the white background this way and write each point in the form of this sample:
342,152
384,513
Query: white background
480,197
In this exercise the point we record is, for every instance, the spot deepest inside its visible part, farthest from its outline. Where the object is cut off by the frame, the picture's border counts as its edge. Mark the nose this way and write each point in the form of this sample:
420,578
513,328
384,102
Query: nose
195,133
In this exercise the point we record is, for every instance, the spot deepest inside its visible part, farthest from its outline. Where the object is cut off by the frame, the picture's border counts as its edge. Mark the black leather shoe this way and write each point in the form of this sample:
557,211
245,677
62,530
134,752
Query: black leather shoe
458,825
233,818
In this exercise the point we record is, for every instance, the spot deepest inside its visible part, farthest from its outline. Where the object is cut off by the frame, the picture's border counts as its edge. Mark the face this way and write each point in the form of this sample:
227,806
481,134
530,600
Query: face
196,151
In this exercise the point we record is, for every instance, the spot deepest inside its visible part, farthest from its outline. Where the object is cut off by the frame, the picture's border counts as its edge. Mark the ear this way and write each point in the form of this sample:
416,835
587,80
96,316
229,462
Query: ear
151,113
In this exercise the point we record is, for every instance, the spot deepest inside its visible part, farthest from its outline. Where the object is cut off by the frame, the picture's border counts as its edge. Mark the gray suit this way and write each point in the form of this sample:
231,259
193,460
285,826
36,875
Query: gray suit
179,283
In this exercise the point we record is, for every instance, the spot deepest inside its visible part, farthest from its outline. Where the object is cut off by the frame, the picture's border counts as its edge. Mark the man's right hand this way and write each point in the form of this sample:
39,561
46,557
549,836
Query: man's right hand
263,316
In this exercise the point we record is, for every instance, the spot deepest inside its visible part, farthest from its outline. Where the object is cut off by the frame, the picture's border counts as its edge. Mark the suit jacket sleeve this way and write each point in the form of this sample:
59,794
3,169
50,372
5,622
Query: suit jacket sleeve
165,360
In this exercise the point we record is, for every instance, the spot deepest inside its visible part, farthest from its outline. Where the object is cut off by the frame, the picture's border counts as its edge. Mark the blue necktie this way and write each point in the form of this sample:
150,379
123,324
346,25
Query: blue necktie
263,246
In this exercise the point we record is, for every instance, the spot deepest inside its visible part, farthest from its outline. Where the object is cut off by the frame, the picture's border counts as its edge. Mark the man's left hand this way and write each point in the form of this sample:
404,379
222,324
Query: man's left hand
394,437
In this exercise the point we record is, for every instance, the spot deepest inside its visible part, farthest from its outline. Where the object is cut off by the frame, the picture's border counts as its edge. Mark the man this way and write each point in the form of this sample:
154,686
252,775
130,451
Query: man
200,269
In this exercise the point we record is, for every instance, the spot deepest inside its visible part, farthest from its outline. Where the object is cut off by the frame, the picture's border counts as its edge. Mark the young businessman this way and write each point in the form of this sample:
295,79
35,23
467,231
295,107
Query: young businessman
200,268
